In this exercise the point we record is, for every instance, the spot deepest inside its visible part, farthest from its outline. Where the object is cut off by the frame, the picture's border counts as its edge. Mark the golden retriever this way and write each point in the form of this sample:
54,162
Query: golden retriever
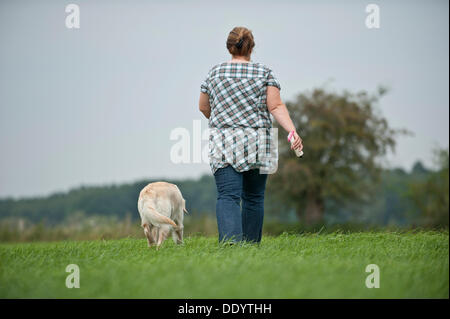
161,207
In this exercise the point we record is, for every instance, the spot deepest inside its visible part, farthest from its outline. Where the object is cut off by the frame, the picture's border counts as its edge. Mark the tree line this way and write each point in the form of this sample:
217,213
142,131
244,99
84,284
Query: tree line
401,198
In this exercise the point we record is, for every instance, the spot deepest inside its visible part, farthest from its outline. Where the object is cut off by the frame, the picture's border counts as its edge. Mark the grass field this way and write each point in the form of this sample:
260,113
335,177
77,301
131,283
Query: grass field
412,265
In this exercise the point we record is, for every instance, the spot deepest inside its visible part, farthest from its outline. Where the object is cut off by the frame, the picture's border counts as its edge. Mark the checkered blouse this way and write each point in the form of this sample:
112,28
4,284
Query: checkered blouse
237,96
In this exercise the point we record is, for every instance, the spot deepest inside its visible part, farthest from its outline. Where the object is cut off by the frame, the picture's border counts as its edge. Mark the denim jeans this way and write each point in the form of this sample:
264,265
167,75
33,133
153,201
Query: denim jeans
232,187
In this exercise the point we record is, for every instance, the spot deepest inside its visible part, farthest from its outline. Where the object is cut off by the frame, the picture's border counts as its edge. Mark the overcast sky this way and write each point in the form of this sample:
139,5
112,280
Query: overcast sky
96,105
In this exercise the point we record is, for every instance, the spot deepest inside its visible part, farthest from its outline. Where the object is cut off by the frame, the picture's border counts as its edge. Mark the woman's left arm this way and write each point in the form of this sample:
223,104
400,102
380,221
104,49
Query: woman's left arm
203,105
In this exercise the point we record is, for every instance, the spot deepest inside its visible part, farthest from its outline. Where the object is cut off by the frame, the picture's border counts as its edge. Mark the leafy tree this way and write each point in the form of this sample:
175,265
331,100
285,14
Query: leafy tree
344,136
431,195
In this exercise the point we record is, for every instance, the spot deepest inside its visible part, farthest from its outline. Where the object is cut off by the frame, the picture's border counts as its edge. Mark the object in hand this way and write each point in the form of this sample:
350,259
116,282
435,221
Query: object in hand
291,140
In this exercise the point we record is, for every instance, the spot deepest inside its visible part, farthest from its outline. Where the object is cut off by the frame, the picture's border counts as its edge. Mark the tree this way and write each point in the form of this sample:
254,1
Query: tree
431,196
343,136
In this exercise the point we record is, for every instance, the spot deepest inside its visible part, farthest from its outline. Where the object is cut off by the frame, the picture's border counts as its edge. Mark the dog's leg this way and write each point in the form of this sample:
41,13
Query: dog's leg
162,235
178,231
154,234
179,234
148,234
174,237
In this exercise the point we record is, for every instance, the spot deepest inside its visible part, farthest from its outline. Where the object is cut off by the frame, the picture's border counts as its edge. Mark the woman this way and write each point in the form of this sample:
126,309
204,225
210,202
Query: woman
241,95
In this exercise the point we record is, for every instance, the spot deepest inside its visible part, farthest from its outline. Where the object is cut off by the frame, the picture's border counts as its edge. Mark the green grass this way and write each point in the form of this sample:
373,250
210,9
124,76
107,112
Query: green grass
412,265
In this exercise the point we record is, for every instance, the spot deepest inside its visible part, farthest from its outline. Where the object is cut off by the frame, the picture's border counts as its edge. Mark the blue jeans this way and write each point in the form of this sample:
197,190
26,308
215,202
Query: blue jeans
233,186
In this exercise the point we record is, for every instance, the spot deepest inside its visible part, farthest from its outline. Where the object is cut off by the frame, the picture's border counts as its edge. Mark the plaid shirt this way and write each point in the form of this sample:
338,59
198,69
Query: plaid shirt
240,123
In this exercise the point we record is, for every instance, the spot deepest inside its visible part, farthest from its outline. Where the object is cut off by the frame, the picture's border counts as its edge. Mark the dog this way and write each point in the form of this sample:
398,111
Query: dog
162,208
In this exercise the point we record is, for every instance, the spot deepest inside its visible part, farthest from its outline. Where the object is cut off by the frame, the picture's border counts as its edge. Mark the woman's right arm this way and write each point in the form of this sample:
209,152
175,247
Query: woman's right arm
279,111
203,105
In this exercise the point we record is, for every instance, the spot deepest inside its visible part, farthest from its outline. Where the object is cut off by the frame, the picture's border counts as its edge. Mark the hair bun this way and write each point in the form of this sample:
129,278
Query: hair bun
240,42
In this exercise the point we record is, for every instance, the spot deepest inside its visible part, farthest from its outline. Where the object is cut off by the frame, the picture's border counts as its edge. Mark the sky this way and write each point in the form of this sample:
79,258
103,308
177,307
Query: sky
96,105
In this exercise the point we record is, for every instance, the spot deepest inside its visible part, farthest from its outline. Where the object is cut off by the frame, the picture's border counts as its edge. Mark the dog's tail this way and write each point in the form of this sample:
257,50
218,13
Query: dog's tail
161,219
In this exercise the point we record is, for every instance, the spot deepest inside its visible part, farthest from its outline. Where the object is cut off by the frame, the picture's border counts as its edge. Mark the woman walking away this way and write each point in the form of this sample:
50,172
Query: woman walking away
239,97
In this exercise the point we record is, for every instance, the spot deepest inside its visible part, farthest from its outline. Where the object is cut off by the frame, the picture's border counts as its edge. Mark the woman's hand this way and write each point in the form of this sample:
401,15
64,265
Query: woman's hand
298,142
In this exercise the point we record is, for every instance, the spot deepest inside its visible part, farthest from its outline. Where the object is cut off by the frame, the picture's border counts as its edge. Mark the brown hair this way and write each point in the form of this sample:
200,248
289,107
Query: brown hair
240,42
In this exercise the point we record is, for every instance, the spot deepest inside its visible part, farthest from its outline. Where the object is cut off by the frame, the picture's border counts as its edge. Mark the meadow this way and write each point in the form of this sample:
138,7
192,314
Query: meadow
412,264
